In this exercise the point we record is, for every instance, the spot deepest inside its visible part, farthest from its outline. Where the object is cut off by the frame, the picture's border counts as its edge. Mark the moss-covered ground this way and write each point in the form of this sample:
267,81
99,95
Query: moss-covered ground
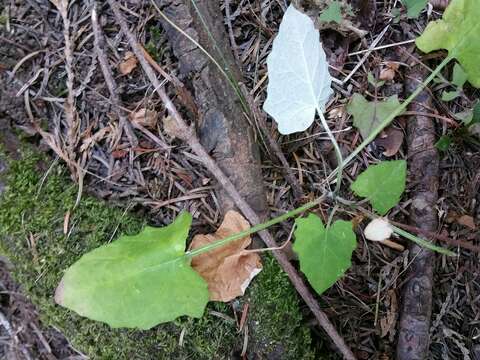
32,213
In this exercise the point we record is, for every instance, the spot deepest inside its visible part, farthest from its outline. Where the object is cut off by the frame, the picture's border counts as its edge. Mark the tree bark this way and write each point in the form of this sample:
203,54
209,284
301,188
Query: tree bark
221,123
416,309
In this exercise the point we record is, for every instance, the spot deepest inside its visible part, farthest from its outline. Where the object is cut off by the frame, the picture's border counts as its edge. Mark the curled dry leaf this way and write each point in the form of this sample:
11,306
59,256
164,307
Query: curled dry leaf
388,72
128,64
229,269
468,221
378,230
171,128
144,117
390,140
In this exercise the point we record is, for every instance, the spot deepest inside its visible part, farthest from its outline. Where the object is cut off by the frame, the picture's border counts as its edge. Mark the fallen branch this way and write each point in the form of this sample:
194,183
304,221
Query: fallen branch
192,140
416,308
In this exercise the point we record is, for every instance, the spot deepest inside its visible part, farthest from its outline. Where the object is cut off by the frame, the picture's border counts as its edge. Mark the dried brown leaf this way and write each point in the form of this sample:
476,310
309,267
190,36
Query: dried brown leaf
144,117
388,72
128,64
390,140
229,269
389,320
171,128
468,221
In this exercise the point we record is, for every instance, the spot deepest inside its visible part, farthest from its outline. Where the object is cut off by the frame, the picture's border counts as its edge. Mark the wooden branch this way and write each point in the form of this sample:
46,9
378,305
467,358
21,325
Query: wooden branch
192,140
416,309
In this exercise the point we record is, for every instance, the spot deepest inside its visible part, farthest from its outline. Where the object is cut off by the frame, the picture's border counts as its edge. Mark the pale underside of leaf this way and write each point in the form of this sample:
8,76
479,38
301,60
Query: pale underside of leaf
136,281
324,254
299,81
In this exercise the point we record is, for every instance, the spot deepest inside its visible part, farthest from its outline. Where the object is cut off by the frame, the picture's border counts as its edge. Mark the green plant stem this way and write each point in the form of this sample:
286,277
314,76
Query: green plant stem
390,117
254,229
338,152
423,243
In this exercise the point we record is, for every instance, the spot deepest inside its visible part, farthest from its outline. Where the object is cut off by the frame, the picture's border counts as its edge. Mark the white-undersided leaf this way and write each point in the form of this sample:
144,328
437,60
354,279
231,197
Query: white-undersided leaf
299,81
378,229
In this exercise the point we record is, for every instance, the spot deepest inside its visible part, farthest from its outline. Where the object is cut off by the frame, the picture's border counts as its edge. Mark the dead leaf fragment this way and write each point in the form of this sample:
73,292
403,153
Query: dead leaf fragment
389,320
390,140
128,64
171,128
229,269
388,72
144,117
468,221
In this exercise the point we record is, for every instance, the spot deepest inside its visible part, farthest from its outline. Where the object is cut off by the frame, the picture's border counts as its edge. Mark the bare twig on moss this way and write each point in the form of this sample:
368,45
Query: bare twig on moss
190,137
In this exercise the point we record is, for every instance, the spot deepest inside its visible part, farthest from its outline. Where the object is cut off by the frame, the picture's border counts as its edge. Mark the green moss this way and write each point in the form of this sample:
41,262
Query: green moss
32,213
277,320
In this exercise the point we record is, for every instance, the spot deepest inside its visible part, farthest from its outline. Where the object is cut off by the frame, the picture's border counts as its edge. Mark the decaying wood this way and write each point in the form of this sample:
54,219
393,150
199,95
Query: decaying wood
221,124
190,137
416,309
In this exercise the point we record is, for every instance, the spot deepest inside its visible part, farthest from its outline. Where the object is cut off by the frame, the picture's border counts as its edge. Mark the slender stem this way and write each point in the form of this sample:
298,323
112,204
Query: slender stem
390,117
338,152
397,230
254,229
421,242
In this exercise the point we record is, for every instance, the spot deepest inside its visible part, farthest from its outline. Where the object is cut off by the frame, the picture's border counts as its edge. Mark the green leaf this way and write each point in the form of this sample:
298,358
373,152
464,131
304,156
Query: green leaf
299,81
332,13
457,32
414,7
324,254
443,143
373,81
136,281
476,114
450,95
369,115
459,77
465,116
382,184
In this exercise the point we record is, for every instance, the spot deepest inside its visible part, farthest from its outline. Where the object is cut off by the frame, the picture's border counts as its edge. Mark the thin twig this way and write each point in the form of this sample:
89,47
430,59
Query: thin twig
193,141
260,117
230,30
110,81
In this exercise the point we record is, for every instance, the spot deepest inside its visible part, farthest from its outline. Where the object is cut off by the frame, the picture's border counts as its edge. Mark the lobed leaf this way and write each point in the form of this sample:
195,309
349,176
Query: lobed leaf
332,13
415,7
324,253
382,184
368,115
458,32
136,281
299,81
